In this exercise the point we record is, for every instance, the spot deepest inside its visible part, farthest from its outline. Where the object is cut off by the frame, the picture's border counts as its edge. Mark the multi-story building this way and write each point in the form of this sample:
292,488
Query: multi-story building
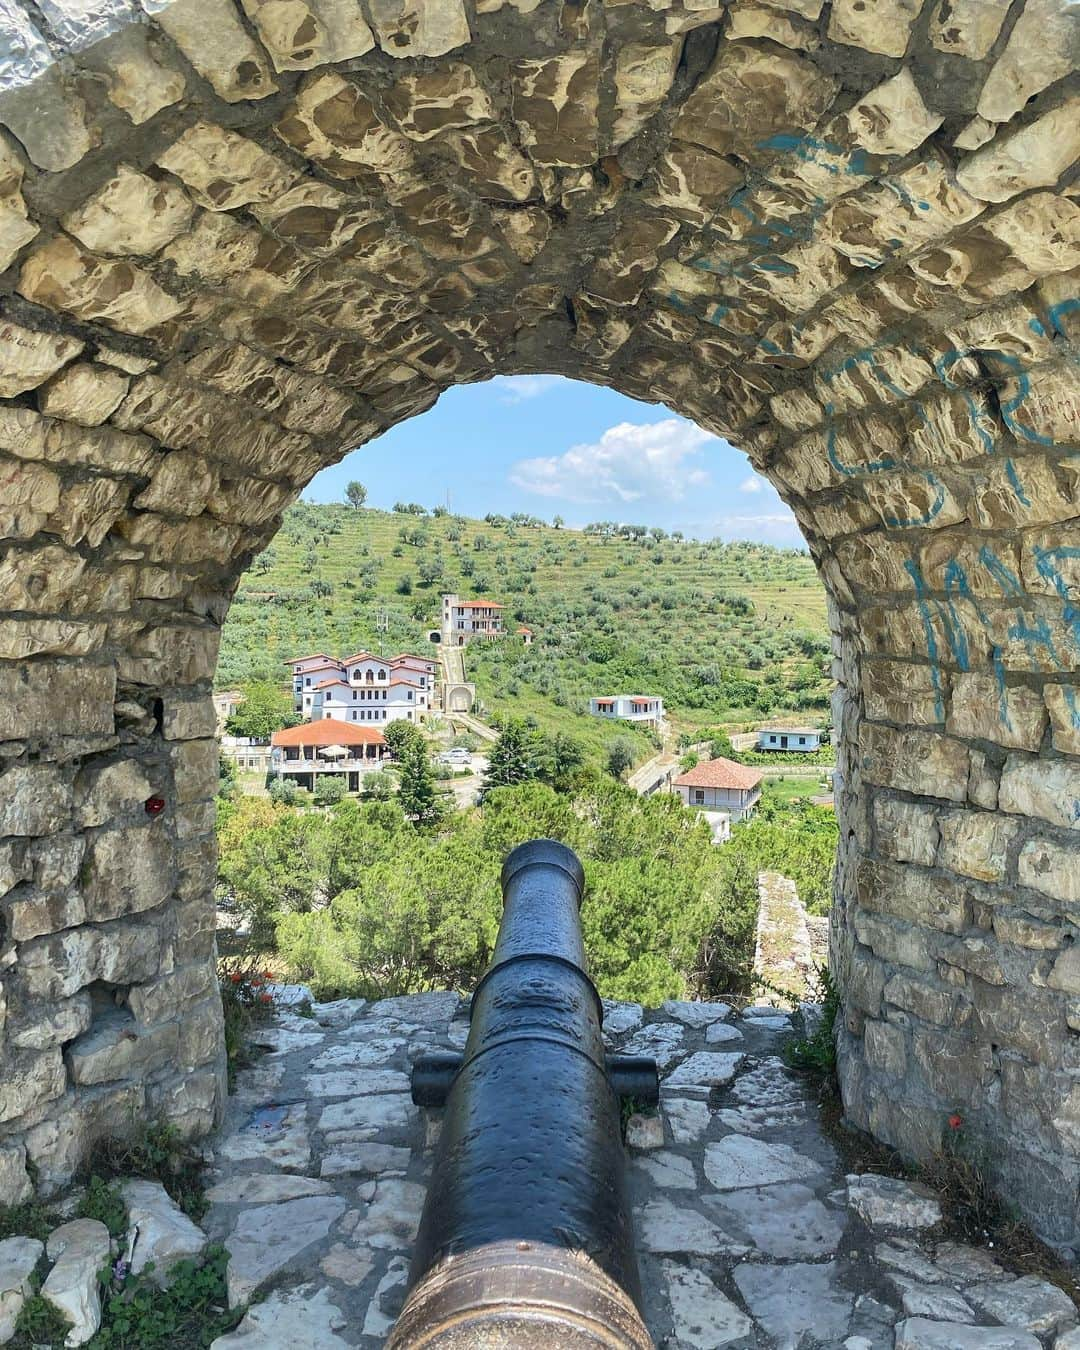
364,687
465,620
646,708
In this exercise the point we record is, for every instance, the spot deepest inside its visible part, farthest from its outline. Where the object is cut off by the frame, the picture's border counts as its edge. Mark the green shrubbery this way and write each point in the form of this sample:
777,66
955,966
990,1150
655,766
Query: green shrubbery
361,902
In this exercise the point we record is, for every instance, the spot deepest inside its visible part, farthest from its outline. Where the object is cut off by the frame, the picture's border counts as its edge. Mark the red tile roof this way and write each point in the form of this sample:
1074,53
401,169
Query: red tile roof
315,656
327,684
328,731
721,773
479,604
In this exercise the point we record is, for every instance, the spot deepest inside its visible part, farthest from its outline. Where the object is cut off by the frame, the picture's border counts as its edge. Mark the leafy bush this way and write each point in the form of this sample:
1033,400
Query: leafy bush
329,789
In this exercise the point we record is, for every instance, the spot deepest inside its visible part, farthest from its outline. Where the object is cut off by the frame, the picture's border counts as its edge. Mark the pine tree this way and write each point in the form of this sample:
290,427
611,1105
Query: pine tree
513,757
418,796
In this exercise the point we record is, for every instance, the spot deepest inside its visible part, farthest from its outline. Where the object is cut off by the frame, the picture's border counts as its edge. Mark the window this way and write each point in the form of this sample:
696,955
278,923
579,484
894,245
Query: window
354,715
802,740
307,682
699,797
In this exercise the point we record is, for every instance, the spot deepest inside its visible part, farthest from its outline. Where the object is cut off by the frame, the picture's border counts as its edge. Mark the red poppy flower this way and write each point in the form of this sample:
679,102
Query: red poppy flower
955,1122
265,998
236,977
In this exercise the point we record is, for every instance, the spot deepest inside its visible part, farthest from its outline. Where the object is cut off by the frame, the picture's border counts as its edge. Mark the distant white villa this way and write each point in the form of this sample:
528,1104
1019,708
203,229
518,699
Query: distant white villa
305,753
364,688
799,739
465,620
645,708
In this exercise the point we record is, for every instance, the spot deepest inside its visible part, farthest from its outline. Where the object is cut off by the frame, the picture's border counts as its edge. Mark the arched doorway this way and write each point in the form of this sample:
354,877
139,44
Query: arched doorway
846,243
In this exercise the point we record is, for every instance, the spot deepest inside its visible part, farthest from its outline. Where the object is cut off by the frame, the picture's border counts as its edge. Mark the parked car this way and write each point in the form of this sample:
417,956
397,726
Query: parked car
458,756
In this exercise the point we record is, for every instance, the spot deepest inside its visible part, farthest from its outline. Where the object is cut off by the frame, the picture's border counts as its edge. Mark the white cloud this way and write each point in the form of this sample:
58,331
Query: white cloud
752,484
654,461
517,388
773,527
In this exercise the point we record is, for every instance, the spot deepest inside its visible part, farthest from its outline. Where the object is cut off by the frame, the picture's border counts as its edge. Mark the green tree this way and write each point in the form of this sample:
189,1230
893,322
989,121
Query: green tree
620,756
265,709
329,789
355,494
515,757
418,795
401,734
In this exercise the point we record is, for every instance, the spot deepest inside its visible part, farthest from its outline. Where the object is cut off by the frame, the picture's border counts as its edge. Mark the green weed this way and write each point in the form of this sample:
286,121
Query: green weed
816,1054
104,1202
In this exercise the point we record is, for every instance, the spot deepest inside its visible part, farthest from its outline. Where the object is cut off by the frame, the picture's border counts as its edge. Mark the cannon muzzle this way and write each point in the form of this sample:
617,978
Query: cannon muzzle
526,1241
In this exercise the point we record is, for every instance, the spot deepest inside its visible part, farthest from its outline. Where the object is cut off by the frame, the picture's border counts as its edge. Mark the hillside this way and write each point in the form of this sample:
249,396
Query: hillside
726,633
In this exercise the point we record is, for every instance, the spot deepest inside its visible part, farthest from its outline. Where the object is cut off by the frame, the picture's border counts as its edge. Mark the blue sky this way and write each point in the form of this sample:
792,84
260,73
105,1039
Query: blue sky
551,446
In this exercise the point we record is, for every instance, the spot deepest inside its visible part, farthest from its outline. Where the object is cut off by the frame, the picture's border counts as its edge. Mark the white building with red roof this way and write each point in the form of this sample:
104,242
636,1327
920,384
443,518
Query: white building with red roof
464,621
364,688
644,708
305,753
721,785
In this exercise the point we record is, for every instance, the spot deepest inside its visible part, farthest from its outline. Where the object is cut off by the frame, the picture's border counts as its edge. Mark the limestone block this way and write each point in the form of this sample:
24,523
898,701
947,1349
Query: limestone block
892,119
212,37
15,866
885,1047
759,21
919,1333
222,169
884,27
887,1202
555,106
15,230
1024,931
906,831
748,95
195,769
166,1235
268,1237
15,1184
906,892
429,103
188,719
332,121
191,1105
137,80
131,215
59,966
30,494
919,762
31,916
49,698
80,1250
967,27
182,484
28,358
1046,411
25,433
977,132
408,28
53,1025
171,994
108,790
300,34
1063,705
88,510
84,392
900,691
1035,155
63,276
957,1068
1052,868
982,708
304,1318
18,1259
116,1047
1041,49
924,1000
975,843
28,1080
34,799
1046,789
200,1031
50,119
644,74
127,870
898,943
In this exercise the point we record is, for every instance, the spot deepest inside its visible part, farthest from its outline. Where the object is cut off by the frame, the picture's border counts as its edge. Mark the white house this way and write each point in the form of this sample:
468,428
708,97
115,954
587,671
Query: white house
803,740
465,620
721,784
364,687
646,708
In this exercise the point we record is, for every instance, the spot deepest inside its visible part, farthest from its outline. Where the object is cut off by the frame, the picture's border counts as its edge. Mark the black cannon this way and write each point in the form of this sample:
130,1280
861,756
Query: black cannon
526,1239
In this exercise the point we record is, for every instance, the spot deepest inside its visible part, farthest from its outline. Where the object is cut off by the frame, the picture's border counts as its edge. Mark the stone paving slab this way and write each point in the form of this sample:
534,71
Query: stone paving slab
750,1236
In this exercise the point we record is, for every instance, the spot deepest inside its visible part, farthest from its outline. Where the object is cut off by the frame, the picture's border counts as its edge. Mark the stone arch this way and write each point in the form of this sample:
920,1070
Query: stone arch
459,698
239,242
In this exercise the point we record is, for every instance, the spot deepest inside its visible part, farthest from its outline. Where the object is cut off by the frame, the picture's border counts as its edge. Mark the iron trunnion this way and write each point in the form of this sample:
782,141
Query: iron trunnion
526,1239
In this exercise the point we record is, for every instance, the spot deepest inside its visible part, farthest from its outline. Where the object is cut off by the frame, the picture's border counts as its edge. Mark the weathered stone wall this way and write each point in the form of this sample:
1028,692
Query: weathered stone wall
241,240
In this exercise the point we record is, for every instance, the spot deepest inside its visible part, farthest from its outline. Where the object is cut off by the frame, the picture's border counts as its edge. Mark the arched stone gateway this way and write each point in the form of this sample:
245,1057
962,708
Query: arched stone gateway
241,241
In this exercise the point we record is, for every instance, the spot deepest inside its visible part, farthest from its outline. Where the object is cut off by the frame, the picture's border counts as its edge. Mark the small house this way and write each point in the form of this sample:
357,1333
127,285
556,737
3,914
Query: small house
801,740
644,708
314,749
721,785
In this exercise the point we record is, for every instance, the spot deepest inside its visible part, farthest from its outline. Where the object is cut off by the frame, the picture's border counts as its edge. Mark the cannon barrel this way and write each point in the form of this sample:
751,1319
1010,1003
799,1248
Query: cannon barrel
526,1239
